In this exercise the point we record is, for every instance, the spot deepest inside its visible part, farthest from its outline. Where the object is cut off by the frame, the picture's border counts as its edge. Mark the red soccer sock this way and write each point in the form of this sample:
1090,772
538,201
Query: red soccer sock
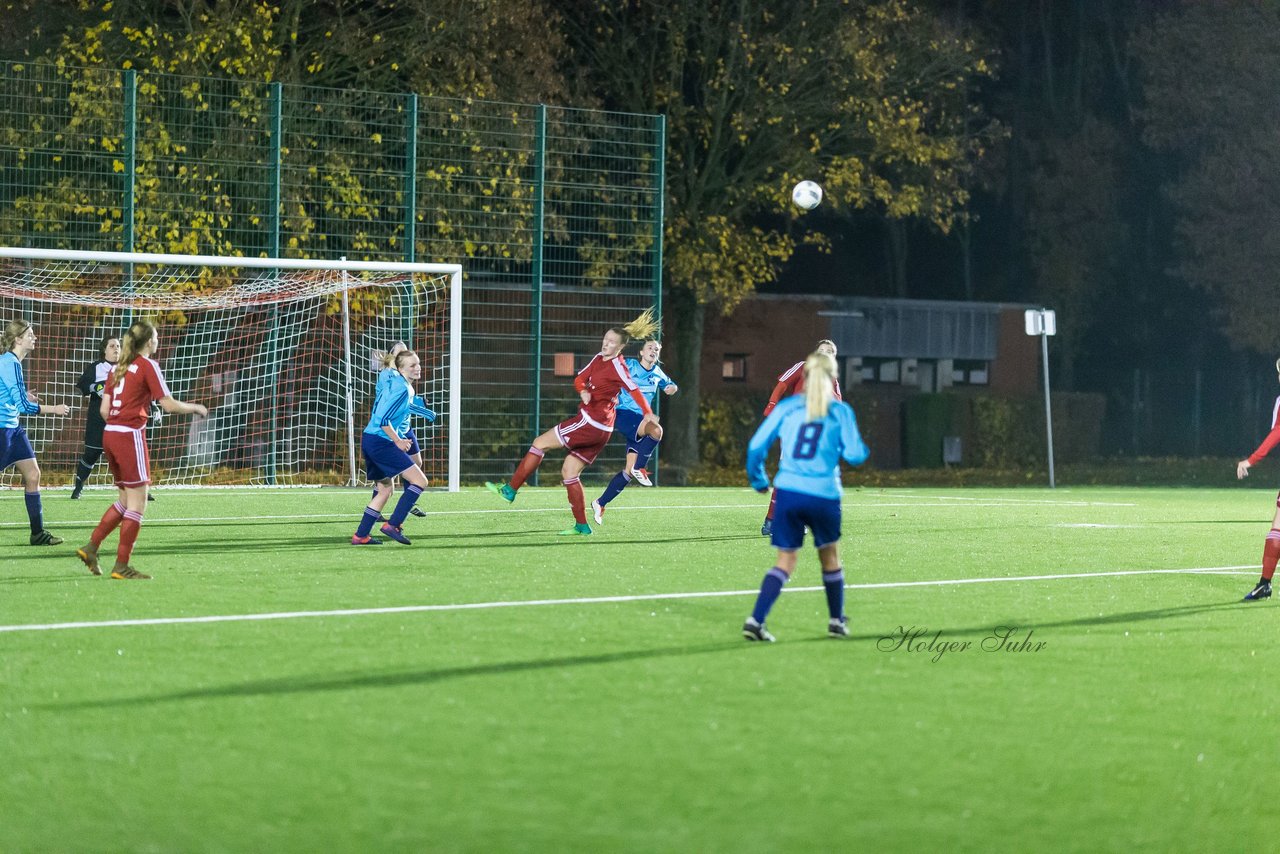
1270,553
128,536
773,502
528,465
110,520
574,488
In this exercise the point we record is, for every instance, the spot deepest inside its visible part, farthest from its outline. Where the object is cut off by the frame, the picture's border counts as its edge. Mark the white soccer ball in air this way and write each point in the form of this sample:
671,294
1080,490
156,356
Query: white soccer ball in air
806,195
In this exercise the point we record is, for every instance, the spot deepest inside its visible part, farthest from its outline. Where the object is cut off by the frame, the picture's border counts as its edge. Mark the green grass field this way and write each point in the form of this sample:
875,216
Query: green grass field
495,687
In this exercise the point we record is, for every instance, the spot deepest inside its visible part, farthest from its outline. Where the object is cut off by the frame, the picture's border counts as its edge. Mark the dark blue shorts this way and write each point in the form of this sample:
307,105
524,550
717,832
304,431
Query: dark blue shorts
414,447
14,446
795,510
625,424
382,459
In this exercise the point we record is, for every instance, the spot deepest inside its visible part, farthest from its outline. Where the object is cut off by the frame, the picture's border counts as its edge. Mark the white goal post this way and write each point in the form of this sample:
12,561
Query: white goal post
282,351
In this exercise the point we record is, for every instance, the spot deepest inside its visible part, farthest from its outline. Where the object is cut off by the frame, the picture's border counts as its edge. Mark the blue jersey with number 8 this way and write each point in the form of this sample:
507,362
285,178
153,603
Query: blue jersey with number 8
811,450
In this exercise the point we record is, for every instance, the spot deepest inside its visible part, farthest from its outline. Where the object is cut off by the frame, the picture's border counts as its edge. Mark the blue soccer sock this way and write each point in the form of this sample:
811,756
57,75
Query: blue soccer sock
407,499
644,450
833,583
770,590
619,483
367,522
35,513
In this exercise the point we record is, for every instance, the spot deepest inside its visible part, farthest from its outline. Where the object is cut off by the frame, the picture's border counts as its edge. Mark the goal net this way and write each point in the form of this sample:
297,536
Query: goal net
283,353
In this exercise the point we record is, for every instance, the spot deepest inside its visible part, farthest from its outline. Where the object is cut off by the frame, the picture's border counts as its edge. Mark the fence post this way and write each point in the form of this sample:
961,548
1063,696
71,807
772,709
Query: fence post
659,207
539,202
129,191
410,211
273,220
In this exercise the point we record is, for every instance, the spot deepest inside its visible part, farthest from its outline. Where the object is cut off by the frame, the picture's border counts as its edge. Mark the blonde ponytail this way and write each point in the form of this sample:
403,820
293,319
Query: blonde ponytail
819,385
137,337
644,326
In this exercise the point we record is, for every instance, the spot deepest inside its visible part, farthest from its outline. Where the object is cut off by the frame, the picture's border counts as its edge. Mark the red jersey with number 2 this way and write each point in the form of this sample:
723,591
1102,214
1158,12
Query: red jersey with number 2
131,397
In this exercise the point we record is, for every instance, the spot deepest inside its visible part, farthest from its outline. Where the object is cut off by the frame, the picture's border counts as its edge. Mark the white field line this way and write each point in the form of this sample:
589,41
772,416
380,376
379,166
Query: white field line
597,600
558,508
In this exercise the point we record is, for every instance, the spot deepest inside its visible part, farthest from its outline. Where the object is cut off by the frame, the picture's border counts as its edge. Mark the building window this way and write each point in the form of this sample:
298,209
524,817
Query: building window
970,372
564,365
881,370
734,368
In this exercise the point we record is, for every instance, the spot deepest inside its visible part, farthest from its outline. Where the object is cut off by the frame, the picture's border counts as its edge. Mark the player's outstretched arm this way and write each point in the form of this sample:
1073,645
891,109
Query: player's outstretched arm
177,407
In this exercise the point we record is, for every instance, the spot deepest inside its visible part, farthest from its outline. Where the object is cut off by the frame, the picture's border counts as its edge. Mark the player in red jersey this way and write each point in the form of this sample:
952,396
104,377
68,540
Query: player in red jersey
126,408
585,435
792,382
1271,546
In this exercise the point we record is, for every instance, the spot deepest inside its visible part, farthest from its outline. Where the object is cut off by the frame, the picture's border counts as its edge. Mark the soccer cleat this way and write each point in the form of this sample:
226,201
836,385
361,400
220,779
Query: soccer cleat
767,528
1261,591
753,631
396,534
44,538
838,628
151,496
597,510
501,489
414,511
75,493
128,573
357,540
641,476
89,555
579,529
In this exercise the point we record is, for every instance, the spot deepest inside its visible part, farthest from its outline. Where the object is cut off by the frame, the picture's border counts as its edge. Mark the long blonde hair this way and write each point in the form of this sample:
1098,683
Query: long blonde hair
389,358
131,344
819,385
644,326
14,330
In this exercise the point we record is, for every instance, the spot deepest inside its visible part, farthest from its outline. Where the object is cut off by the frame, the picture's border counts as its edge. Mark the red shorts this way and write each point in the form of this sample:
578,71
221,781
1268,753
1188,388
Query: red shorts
127,455
582,438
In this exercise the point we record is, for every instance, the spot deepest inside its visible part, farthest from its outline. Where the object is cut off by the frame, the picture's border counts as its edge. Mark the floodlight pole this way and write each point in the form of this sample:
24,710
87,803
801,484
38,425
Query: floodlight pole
1043,322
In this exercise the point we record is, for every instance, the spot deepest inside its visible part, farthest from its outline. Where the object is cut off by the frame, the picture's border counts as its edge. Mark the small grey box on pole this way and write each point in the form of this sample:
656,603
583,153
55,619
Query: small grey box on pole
1044,322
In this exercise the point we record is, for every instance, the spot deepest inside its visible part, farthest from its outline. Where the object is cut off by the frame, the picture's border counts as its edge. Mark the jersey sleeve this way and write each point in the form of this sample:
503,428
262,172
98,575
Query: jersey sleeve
853,450
156,386
418,406
12,383
663,379
629,384
785,387
758,449
582,380
85,384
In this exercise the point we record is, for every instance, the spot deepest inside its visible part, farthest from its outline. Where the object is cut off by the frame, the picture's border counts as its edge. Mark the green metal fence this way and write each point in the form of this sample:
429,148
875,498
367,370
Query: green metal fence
554,213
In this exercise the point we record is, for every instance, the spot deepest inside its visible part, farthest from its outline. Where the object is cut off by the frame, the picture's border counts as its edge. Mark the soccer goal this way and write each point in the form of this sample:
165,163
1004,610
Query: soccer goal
282,351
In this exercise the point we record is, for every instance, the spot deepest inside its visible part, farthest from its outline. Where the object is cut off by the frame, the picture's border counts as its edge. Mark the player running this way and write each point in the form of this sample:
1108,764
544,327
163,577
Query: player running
651,379
384,364
792,382
1271,546
17,342
817,431
584,436
131,388
386,446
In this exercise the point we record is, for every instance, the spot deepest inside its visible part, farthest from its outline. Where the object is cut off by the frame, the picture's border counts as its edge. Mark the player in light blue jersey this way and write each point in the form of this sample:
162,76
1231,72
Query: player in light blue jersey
651,379
817,432
16,343
386,449
382,363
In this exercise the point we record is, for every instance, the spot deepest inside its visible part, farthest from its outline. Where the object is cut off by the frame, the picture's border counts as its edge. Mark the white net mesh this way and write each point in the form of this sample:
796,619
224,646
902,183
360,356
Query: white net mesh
266,351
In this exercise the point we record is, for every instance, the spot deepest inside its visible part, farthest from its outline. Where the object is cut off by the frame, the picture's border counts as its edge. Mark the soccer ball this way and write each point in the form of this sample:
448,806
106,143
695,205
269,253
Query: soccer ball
806,195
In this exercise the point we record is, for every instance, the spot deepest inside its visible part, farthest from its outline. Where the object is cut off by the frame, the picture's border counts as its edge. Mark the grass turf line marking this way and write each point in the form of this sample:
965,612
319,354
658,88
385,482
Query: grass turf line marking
598,600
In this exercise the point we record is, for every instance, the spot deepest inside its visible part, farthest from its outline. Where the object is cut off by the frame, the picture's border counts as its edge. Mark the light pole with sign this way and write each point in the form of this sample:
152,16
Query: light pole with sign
1043,322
